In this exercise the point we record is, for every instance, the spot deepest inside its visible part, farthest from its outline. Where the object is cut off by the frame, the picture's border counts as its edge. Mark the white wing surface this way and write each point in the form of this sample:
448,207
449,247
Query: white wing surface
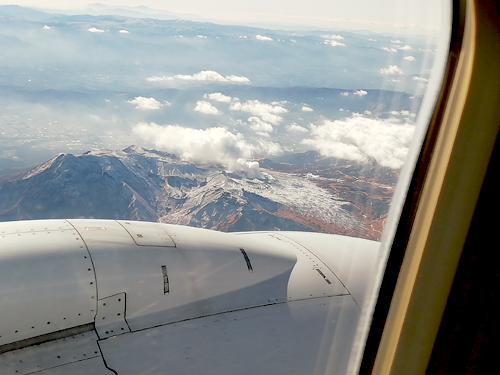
129,298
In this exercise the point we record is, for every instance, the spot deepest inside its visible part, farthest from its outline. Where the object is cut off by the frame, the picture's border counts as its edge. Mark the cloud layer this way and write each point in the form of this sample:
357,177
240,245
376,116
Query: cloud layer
360,138
203,76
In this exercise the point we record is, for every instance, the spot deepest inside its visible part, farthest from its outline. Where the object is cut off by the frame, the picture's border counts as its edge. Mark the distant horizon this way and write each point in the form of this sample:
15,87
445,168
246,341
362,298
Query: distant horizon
387,17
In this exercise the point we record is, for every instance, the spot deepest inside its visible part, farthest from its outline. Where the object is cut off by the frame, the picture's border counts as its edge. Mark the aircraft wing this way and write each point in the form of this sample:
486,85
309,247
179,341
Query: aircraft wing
124,297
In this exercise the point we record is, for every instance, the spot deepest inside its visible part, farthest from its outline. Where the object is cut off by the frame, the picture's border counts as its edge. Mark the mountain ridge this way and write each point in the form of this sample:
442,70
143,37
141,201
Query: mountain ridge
141,184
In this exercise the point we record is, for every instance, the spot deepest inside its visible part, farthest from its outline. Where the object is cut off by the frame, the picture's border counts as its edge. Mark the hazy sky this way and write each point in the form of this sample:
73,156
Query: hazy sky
382,15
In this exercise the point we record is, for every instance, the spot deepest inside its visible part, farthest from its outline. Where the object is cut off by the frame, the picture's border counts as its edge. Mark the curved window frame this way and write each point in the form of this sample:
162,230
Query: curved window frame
441,200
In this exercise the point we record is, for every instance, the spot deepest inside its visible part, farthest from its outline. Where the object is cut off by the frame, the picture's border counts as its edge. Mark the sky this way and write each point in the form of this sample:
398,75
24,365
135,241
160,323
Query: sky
394,16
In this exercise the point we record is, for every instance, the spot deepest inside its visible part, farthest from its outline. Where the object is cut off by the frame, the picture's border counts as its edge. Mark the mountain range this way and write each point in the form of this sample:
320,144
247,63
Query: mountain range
140,184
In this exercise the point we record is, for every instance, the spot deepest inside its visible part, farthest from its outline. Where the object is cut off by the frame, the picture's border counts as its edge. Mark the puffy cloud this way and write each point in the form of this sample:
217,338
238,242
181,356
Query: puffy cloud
267,112
219,97
391,70
124,32
203,76
334,43
262,37
420,79
201,36
47,27
212,144
206,108
95,30
409,58
396,41
360,138
147,104
296,128
258,125
250,168
389,49
405,48
334,37
360,93
345,93
217,145
307,109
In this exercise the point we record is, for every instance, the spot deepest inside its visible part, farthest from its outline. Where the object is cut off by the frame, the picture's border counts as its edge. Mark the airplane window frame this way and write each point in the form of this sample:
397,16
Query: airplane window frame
468,94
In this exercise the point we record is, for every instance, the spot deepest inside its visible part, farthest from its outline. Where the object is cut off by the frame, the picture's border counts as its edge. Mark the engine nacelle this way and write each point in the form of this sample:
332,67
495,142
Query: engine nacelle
113,285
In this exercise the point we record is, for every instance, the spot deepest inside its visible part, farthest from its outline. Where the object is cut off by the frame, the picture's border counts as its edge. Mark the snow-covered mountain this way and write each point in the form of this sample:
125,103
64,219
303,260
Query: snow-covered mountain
141,184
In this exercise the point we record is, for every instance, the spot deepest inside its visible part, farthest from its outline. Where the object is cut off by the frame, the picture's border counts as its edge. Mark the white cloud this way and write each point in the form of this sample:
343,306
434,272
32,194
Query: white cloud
293,41
95,30
389,49
360,93
333,36
258,125
409,58
147,104
332,40
201,36
420,79
334,43
307,109
262,37
345,93
206,108
211,145
391,70
359,138
217,145
124,32
296,128
47,27
203,76
243,37
396,41
217,96
159,79
250,168
405,48
400,113
267,112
